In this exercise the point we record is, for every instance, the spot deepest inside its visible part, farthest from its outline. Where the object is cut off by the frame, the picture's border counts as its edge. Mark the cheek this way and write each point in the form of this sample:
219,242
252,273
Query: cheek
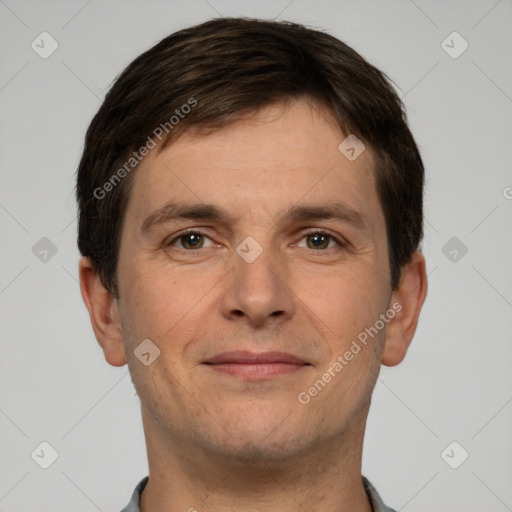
163,300
350,307
345,300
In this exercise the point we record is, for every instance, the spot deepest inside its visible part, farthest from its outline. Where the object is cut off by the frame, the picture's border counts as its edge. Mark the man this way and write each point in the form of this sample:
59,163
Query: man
250,202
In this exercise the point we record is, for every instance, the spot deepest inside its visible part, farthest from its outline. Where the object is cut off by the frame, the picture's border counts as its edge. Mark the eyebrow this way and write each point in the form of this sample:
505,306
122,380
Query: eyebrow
173,211
336,211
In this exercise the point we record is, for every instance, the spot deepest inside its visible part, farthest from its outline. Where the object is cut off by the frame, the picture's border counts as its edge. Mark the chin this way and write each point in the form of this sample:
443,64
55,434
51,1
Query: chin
258,453
257,440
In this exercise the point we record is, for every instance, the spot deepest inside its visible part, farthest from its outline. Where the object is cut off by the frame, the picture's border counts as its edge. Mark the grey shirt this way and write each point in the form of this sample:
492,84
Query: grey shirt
375,499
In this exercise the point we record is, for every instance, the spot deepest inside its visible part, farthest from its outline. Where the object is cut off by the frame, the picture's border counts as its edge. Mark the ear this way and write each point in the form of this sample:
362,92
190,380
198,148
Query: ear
104,314
407,301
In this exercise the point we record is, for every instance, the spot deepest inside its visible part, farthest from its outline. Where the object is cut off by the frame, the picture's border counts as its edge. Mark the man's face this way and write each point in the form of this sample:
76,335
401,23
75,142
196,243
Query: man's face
315,286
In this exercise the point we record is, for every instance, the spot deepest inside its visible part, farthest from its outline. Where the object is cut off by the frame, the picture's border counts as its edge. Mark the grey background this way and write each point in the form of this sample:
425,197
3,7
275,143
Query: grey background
454,384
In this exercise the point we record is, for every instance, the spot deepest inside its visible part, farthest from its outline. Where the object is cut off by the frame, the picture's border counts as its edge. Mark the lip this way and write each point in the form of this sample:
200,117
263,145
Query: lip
245,357
254,366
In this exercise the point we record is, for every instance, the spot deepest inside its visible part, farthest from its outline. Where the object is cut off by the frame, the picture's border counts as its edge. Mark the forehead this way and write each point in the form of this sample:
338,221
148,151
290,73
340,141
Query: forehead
277,157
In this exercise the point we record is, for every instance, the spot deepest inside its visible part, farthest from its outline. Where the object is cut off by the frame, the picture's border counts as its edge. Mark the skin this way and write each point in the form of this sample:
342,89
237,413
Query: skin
220,442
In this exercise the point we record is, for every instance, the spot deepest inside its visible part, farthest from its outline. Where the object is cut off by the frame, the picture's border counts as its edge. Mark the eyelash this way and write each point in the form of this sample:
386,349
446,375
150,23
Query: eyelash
339,241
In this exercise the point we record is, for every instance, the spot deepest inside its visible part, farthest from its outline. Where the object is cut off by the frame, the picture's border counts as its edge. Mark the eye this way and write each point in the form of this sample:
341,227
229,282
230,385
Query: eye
190,240
320,240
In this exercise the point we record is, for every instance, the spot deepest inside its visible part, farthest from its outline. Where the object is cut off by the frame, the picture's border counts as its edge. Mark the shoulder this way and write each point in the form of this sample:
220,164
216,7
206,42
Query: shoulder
133,505
376,501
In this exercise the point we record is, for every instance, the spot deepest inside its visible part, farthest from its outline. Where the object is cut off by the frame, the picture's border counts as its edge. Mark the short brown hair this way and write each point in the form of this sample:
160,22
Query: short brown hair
229,67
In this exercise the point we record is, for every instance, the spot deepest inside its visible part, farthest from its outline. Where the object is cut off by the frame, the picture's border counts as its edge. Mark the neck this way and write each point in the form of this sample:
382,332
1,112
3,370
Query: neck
185,477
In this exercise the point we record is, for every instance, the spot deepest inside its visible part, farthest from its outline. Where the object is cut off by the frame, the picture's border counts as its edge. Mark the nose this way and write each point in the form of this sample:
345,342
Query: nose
259,292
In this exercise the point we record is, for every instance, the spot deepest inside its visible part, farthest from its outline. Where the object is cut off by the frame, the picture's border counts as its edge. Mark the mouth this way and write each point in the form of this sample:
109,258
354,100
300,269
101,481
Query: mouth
253,366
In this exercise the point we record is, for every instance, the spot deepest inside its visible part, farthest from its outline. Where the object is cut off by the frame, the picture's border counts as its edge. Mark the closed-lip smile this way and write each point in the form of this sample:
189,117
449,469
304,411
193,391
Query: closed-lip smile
254,366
